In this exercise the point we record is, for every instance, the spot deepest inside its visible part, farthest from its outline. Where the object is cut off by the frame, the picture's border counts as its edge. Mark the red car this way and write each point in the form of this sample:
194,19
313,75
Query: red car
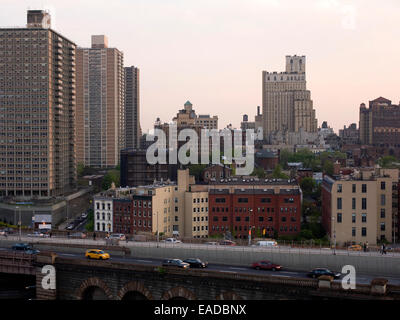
227,243
266,265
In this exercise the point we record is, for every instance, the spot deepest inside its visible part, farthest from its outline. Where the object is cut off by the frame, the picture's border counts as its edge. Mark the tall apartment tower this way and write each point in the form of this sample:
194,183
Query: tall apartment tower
287,104
132,108
37,110
100,114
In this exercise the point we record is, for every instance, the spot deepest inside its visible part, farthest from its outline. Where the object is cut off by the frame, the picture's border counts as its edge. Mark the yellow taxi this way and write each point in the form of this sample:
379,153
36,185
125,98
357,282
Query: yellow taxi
97,254
355,247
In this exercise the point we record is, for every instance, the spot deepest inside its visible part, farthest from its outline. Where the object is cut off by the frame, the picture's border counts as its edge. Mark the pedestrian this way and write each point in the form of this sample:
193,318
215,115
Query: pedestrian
384,249
94,236
365,247
50,234
126,239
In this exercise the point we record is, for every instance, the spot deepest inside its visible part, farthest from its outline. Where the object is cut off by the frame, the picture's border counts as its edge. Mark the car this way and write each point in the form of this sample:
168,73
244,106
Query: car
212,243
196,263
227,243
266,244
118,236
266,265
78,235
172,240
38,234
24,247
177,263
97,254
317,272
355,247
70,226
84,215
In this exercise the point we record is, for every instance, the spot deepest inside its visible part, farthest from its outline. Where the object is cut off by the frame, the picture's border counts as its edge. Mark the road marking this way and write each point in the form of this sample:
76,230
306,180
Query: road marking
67,254
143,260
237,268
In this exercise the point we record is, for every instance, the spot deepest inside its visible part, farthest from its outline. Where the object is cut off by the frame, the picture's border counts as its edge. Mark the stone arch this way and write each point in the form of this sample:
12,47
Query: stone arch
93,282
134,286
178,293
228,295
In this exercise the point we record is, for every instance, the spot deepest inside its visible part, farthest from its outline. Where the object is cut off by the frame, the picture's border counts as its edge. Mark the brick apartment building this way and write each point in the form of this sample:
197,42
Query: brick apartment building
237,205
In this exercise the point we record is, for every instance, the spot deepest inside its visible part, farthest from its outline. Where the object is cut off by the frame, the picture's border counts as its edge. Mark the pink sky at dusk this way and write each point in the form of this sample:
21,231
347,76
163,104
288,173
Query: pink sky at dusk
213,52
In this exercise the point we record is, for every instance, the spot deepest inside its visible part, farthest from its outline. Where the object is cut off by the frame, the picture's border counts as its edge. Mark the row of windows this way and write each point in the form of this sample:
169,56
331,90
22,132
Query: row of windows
260,219
263,209
363,187
197,200
202,228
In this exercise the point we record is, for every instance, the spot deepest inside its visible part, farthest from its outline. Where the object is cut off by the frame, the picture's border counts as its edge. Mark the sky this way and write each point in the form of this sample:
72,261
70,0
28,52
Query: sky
213,52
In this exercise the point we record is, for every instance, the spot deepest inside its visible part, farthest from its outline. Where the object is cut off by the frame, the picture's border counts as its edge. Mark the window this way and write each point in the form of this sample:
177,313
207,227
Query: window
364,217
383,200
353,232
382,226
364,188
364,203
353,203
215,218
364,231
339,203
383,185
383,213
266,200
224,218
237,219
220,200
353,218
353,188
339,188
339,218
243,200
260,219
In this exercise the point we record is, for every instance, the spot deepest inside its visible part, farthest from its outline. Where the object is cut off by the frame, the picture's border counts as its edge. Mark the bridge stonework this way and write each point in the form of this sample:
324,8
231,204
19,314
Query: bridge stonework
86,279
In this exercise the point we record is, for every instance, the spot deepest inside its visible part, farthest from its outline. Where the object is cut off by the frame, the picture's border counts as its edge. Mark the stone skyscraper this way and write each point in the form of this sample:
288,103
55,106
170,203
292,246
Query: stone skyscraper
287,104
37,110
100,104
132,108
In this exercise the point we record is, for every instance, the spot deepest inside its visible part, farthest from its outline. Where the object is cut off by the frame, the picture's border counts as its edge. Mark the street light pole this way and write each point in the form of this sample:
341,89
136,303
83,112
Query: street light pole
19,222
334,236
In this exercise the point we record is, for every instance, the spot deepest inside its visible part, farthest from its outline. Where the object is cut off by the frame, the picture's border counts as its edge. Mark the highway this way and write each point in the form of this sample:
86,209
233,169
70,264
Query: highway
238,269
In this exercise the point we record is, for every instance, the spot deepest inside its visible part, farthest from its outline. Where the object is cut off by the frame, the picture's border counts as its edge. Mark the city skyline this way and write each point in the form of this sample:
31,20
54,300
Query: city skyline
217,63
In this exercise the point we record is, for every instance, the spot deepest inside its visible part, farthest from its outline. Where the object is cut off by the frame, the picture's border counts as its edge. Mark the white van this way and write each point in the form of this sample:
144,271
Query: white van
266,243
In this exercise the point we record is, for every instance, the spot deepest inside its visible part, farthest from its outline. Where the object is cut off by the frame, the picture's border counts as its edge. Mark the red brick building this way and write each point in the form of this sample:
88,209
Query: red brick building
132,215
237,206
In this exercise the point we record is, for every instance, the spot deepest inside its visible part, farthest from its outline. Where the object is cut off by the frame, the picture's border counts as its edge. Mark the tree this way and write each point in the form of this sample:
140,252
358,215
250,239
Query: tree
109,178
328,167
259,172
80,169
307,185
196,170
387,161
278,174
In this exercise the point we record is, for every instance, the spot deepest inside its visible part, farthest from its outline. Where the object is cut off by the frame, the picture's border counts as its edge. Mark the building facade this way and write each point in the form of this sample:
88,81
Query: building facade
100,116
287,104
380,124
359,208
37,110
269,208
132,108
350,135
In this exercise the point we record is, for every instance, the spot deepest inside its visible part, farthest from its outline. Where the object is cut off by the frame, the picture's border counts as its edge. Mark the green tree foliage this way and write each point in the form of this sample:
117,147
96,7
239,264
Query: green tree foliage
90,221
196,170
109,178
307,185
80,169
328,167
388,162
278,174
259,172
